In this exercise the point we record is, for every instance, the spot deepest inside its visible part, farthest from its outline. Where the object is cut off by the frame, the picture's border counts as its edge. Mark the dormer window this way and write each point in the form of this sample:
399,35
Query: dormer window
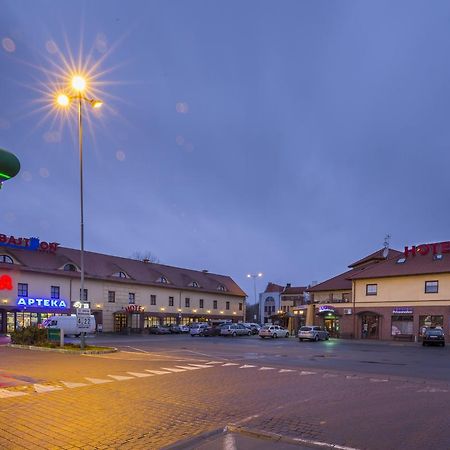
221,287
6,259
162,279
438,257
401,260
120,275
194,284
69,267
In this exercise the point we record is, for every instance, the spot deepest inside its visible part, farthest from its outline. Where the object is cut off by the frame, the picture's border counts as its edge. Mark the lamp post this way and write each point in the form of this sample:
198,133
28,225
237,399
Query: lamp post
255,276
78,85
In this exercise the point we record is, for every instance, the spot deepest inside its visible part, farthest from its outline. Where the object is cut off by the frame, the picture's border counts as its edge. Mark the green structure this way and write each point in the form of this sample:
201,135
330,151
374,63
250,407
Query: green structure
9,166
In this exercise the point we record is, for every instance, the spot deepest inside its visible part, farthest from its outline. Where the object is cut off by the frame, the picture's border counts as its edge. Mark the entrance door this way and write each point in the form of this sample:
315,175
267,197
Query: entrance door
370,326
332,326
120,322
10,322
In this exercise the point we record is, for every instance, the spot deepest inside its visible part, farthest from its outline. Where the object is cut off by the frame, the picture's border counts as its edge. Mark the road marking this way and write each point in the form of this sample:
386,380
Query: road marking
42,388
246,366
353,377
189,368
140,374
286,370
432,389
6,394
157,372
98,380
229,364
267,368
329,375
174,370
378,380
201,366
71,384
120,377
214,362
305,372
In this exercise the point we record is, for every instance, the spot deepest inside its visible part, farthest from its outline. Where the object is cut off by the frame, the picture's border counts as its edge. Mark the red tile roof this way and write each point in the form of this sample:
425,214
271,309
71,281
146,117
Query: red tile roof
337,283
272,287
101,266
375,257
292,290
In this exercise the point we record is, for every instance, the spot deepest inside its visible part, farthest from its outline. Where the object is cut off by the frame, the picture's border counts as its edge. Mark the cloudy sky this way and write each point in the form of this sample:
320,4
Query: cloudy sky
286,137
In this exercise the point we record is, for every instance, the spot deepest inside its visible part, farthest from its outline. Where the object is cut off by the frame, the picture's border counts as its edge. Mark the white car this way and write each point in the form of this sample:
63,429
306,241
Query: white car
273,331
197,329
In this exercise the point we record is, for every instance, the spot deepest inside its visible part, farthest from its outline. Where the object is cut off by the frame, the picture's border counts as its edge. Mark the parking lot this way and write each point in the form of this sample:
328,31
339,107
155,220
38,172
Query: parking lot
169,388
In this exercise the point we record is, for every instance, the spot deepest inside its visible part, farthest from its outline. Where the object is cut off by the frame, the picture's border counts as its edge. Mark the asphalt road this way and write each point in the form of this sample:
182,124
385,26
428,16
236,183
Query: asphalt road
160,390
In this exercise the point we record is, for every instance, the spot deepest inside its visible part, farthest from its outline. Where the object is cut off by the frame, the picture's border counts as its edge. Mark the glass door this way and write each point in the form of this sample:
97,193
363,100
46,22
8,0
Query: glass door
10,322
370,327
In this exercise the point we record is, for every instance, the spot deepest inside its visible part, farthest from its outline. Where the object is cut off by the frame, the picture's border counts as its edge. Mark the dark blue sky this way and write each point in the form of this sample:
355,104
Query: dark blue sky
304,132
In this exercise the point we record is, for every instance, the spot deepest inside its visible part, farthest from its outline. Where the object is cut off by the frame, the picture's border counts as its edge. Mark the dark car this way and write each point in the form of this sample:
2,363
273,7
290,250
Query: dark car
158,329
433,336
175,329
211,331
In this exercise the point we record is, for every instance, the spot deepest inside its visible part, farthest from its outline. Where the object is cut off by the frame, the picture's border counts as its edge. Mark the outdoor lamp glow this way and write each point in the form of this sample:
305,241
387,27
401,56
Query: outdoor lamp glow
78,83
62,100
96,104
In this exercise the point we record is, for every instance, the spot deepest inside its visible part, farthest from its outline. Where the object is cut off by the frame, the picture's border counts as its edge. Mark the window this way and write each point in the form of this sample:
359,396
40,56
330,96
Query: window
215,304
54,292
431,287
22,289
187,302
162,279
131,298
265,308
6,259
200,303
402,325
153,300
330,297
401,260
194,284
346,297
120,275
438,257
371,289
227,305
240,306
111,297
69,268
170,301
221,287
85,296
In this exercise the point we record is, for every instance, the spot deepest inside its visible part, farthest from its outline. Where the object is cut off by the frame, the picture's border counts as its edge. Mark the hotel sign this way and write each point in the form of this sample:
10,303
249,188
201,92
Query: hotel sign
27,302
404,310
326,308
425,249
27,243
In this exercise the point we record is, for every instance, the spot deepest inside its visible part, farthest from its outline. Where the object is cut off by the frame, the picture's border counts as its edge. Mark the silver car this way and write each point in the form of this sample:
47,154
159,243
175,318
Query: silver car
197,329
313,333
273,331
235,329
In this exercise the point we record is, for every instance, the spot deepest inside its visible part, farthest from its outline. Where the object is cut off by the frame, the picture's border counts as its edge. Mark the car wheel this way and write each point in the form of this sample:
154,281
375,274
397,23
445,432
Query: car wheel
262,337
327,338
287,335
300,340
234,334
274,335
316,338
249,333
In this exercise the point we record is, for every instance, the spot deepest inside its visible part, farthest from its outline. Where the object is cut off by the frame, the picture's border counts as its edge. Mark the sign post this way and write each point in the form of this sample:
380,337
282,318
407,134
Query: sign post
83,323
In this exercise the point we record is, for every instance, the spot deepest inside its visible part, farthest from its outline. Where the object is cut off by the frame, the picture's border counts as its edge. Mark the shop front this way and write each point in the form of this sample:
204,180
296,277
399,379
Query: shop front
369,322
329,318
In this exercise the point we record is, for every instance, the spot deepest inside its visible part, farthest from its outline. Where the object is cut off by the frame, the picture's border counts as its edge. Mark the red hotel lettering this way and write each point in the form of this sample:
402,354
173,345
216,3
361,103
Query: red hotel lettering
3,237
434,247
408,251
43,246
445,247
423,249
53,246
6,283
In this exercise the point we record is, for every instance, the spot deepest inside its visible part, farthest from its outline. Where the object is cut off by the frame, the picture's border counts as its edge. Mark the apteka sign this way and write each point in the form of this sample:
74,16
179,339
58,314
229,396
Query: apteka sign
41,303
32,243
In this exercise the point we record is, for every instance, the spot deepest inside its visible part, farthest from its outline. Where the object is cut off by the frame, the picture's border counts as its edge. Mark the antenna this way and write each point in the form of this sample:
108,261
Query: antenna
386,243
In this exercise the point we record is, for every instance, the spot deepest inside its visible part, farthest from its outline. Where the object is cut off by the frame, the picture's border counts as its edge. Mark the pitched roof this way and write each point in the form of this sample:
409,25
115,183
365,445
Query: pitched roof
337,283
101,266
272,287
375,257
413,265
292,290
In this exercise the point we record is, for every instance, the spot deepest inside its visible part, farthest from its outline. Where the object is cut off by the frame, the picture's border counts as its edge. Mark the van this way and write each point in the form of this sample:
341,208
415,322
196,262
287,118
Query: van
69,324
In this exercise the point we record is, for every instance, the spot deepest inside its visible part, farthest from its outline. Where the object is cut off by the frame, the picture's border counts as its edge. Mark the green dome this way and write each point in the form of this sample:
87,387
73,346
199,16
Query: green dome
9,165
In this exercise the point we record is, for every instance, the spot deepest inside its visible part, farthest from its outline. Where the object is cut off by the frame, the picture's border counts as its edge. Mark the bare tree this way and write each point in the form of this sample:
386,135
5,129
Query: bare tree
146,256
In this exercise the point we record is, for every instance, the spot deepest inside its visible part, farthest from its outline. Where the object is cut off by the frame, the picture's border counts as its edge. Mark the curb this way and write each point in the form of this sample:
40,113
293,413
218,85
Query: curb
62,350
193,441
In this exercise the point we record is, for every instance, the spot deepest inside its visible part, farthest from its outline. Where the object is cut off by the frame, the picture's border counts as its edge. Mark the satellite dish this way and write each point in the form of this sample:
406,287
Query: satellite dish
385,252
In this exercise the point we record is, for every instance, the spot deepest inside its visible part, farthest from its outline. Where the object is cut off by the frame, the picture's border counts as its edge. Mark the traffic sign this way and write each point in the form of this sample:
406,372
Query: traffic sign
83,318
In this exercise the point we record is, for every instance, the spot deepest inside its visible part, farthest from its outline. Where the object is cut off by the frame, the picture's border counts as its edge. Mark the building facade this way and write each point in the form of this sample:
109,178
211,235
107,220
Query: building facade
123,294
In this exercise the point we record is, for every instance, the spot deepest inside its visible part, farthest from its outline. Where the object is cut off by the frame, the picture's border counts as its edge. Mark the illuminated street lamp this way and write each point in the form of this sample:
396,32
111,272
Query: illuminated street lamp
255,276
78,85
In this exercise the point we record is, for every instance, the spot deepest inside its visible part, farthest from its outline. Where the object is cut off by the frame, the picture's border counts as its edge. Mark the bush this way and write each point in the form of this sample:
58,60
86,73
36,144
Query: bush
30,336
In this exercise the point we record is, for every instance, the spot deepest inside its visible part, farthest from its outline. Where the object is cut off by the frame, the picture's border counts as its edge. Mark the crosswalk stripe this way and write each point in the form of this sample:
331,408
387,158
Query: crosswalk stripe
140,374
246,366
230,364
353,377
42,388
71,384
214,362
329,375
120,377
378,380
267,368
305,372
98,380
189,368
201,366
174,370
286,370
6,394
157,372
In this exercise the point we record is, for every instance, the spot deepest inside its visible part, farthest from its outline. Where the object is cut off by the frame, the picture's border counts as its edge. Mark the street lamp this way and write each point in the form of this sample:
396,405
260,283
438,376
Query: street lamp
255,276
78,85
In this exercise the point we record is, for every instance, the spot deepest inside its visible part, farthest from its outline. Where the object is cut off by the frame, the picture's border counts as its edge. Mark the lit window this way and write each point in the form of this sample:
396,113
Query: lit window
371,289
6,259
431,287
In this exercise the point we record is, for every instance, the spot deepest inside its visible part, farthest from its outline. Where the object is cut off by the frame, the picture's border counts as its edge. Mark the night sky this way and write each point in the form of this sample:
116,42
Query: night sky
286,137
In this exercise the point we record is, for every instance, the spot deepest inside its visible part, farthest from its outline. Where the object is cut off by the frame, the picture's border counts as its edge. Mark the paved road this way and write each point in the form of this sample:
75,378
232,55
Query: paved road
162,389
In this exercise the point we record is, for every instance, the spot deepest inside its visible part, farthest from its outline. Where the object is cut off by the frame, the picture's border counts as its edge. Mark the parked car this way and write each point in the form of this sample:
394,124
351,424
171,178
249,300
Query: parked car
273,331
313,333
158,329
434,336
235,329
174,328
254,327
196,329
211,331
183,328
69,324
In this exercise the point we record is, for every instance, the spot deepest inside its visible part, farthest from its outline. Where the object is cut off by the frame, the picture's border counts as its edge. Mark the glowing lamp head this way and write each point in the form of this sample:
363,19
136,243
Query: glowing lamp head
62,100
96,104
78,83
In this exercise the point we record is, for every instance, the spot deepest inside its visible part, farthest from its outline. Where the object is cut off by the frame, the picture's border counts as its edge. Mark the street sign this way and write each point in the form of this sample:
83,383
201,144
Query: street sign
54,334
83,318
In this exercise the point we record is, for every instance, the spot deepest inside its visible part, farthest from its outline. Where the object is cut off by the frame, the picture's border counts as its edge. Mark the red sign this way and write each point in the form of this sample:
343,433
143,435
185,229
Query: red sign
6,283
27,243
425,249
134,309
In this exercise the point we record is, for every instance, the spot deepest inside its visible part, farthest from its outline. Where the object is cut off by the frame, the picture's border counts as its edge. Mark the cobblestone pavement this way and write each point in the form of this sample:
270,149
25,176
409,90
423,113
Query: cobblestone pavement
142,399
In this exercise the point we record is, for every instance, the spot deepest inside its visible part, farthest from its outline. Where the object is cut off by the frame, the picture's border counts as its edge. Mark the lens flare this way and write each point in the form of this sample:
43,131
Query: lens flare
79,83
62,100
